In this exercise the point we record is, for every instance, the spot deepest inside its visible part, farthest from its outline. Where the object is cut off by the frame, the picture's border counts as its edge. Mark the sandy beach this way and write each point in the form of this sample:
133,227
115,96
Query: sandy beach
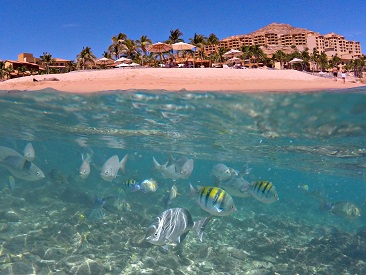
176,79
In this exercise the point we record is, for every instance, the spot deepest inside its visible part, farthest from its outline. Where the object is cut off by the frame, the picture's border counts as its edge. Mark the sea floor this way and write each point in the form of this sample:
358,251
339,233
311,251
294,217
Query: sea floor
61,232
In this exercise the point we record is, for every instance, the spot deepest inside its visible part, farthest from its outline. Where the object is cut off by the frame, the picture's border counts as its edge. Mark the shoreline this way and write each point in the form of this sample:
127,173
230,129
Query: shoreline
181,79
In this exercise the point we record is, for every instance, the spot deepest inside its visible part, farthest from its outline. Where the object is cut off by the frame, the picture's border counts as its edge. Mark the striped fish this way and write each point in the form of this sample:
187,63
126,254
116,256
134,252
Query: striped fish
131,184
214,200
173,225
264,191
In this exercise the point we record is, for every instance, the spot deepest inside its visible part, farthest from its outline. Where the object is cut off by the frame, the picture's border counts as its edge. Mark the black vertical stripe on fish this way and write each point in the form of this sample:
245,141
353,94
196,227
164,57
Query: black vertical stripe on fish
207,196
265,187
270,186
201,199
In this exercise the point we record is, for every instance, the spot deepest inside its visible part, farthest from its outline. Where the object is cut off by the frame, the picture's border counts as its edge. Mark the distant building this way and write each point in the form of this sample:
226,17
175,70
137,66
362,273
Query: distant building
58,63
33,65
284,37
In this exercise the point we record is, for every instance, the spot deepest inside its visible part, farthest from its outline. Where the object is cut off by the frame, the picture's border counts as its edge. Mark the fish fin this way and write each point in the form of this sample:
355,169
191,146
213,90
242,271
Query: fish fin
192,190
123,164
156,164
200,225
181,238
219,209
171,161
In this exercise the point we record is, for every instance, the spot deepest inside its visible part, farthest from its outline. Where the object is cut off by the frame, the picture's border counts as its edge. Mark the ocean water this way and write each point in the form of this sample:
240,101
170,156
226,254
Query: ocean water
54,226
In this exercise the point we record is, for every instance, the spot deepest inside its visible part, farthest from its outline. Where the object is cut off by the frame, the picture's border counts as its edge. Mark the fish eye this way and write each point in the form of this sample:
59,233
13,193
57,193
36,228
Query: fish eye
155,234
38,173
106,172
232,206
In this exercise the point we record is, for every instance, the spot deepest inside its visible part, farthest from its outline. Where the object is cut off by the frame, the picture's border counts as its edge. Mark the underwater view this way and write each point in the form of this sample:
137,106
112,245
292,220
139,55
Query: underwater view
142,182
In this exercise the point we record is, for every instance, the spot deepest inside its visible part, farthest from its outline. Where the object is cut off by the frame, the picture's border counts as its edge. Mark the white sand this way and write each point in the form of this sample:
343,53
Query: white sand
175,79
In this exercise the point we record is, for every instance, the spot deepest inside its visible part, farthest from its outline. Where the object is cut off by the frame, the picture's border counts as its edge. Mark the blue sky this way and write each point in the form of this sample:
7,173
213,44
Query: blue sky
63,27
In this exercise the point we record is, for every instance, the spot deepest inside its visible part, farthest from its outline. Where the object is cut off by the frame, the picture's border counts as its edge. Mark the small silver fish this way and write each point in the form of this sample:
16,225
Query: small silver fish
346,210
84,169
173,193
220,172
175,169
19,166
11,182
111,166
29,152
172,226
236,187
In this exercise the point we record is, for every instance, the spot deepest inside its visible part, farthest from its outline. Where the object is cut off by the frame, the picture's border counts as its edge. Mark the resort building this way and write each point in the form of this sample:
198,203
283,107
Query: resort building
28,64
284,37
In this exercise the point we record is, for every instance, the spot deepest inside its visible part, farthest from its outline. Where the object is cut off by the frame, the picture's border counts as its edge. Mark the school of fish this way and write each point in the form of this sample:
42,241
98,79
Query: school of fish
215,198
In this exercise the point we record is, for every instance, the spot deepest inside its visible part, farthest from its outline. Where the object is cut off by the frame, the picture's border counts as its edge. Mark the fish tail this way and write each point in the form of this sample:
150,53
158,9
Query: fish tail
123,164
200,225
156,164
192,190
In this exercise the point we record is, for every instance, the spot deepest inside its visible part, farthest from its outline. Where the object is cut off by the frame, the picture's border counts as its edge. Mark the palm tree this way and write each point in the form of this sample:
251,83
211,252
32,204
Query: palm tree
219,54
116,48
358,66
70,66
130,48
334,61
323,61
174,36
107,55
3,70
199,40
46,59
142,43
22,70
314,57
84,57
280,56
212,40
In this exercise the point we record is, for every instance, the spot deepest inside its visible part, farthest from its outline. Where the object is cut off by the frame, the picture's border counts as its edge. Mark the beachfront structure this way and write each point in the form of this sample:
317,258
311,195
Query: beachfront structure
57,63
284,37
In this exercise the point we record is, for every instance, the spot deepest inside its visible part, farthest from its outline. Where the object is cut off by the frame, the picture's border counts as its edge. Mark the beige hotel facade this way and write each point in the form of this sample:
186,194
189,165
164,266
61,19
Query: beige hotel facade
284,37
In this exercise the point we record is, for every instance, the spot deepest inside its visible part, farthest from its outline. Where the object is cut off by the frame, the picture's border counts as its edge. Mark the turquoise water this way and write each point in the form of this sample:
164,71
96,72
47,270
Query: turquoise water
314,139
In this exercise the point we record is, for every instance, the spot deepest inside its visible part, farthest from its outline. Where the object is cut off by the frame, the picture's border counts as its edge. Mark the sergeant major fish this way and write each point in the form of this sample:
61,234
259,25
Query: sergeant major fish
173,225
264,191
29,152
111,166
214,200
19,166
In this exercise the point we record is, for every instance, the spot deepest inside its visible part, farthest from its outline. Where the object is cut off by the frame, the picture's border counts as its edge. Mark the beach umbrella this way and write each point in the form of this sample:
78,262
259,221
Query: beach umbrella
232,53
296,60
180,46
103,60
124,60
159,48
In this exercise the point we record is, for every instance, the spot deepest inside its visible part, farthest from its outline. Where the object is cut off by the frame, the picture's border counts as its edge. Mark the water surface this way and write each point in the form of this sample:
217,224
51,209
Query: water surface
292,139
